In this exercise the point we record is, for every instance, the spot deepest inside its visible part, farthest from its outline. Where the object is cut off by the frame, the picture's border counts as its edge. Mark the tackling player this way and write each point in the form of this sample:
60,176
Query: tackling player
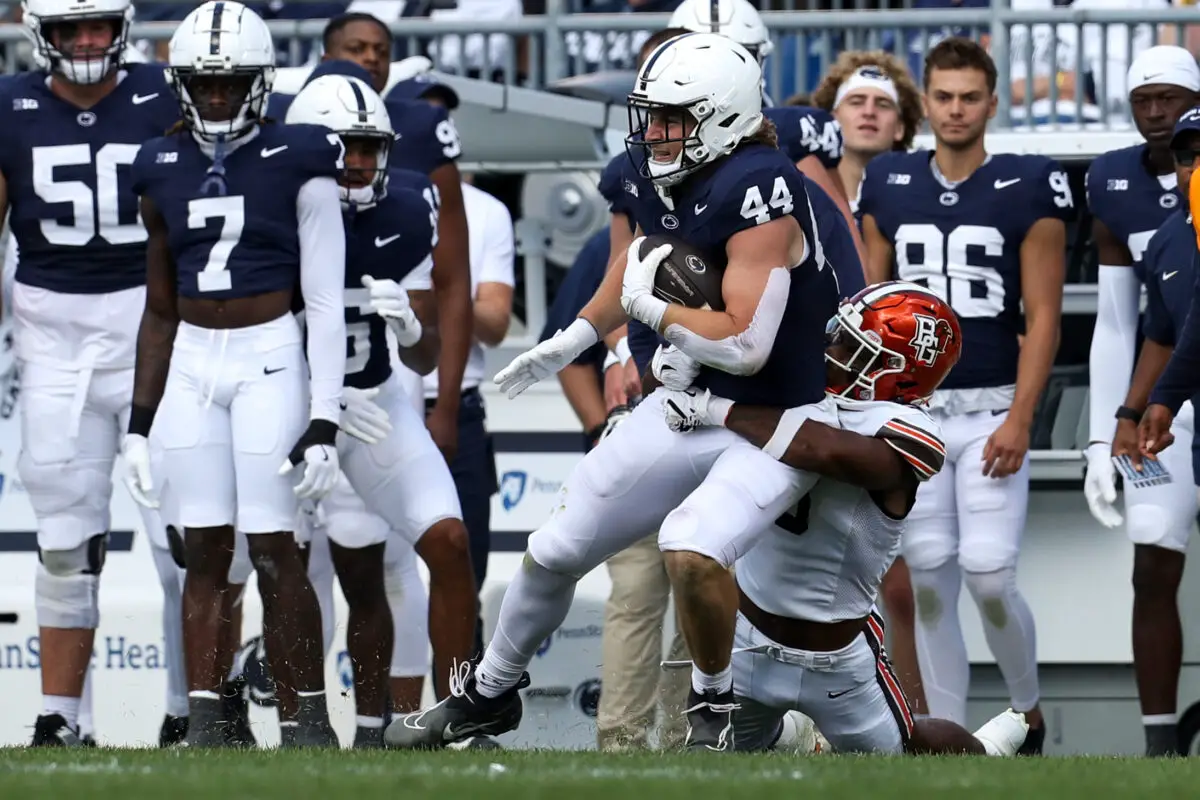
719,183
68,133
985,232
238,211
1131,192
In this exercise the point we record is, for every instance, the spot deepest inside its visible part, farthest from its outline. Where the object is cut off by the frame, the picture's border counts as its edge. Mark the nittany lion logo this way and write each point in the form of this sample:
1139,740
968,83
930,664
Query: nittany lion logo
932,338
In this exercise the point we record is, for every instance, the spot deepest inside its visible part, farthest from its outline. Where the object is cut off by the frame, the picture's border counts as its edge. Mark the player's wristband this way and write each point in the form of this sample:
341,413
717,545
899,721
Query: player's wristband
1131,414
611,360
785,432
622,351
141,419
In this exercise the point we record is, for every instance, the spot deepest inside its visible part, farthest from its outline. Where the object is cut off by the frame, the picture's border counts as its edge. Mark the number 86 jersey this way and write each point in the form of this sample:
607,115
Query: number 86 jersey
963,242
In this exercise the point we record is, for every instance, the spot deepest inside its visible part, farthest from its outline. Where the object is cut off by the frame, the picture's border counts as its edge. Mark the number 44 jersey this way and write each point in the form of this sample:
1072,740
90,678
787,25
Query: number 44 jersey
73,209
963,241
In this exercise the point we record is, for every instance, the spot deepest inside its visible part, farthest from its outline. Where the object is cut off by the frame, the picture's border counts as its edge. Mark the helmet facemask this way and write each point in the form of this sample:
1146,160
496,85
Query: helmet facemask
221,103
54,37
681,130
859,355
361,186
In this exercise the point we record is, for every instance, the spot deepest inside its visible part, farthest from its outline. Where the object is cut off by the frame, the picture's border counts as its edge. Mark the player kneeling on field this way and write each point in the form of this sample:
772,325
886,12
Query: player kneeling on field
808,636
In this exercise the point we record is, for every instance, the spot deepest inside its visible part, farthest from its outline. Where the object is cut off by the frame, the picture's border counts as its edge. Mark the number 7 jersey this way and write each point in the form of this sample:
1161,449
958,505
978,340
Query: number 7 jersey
963,242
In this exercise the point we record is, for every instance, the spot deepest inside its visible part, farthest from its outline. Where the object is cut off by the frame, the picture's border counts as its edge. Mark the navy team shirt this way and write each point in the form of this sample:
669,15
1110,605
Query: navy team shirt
73,208
426,138
1129,200
806,131
752,186
245,242
964,244
387,241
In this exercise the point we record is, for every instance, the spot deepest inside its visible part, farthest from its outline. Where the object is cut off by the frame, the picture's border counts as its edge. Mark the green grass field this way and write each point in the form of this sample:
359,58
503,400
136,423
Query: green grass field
266,775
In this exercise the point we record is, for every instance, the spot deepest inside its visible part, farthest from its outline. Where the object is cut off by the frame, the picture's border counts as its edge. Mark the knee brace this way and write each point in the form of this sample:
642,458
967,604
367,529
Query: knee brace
175,544
67,585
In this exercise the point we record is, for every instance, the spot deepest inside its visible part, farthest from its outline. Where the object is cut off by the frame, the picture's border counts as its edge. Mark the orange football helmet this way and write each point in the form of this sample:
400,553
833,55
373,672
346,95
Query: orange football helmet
894,341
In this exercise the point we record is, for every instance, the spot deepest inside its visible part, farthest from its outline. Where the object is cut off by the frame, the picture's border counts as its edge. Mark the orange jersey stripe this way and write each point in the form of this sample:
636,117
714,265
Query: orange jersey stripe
913,432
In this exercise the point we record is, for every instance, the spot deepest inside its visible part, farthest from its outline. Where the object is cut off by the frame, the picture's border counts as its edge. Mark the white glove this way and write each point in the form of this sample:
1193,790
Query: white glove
674,368
135,452
687,410
361,417
637,287
317,453
390,301
547,358
1100,484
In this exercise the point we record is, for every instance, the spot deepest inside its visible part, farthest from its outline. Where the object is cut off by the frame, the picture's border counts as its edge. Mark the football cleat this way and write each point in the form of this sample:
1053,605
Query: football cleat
1004,734
52,730
173,731
465,714
710,721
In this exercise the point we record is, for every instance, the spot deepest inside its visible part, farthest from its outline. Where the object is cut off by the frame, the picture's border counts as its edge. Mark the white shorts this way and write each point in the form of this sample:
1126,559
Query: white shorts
346,520
1164,516
852,694
404,478
235,404
962,513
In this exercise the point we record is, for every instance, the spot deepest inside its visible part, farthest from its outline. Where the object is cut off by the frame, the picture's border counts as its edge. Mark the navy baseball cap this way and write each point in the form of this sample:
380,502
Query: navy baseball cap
1190,121
421,86
340,67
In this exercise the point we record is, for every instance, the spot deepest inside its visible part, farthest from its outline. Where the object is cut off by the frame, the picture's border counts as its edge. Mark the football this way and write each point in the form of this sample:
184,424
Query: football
686,276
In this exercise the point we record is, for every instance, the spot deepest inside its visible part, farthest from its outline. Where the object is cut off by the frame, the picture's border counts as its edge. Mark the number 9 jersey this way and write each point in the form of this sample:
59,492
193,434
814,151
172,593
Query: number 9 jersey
963,242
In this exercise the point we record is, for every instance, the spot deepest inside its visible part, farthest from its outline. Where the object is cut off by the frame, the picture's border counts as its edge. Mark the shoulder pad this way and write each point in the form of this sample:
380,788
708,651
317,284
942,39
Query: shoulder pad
915,436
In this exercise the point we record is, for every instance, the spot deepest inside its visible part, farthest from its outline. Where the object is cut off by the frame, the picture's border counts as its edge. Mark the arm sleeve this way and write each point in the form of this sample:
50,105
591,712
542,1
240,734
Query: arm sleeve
322,283
420,279
1110,362
1179,380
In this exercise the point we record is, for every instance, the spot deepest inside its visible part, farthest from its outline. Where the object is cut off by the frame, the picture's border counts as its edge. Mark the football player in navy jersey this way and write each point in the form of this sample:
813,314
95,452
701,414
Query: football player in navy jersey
1169,270
239,214
432,147
68,133
987,233
391,230
721,184
1131,192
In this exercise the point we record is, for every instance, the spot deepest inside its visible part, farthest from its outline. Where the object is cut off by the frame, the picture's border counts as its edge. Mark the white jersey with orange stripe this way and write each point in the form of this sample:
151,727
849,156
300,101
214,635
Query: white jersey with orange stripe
824,560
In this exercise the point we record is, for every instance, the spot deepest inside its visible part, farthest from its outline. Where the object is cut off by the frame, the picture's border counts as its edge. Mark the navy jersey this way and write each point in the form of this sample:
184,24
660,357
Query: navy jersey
1129,200
73,209
964,244
1170,272
386,241
752,186
245,242
806,131
618,184
578,287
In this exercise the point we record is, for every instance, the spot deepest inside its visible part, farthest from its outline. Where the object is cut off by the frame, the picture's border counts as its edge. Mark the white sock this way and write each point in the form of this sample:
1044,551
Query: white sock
941,651
1008,627
87,724
67,707
535,604
201,694
721,682
368,722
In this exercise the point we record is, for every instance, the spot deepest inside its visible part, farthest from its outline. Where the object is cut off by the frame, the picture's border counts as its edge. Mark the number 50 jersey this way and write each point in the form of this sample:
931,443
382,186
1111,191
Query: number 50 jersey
964,243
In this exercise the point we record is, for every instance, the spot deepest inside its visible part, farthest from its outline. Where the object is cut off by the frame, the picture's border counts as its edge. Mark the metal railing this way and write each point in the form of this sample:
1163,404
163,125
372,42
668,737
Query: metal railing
1093,46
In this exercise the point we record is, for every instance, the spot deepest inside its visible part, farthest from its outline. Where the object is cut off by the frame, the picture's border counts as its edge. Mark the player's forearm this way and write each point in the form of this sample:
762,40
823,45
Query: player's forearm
604,310
155,342
422,357
1150,365
1033,365
1114,341
491,321
582,390
455,321
840,455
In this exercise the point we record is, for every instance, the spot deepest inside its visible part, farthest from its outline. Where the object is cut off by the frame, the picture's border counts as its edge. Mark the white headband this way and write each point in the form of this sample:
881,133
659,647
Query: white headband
867,77
1167,64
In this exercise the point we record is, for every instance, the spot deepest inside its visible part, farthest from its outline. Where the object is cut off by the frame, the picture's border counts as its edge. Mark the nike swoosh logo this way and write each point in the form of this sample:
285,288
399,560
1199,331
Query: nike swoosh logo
269,371
1001,184
452,734
1168,275
700,208
384,242
138,99
1150,75
267,152
836,695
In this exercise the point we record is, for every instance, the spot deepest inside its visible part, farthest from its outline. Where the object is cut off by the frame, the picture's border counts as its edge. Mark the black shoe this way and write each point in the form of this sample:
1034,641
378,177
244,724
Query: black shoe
463,715
173,731
710,721
88,741
235,709
1033,741
52,730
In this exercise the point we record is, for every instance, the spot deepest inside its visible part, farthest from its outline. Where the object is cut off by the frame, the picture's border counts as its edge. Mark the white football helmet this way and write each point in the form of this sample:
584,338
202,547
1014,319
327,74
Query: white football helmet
737,19
41,16
225,40
714,80
353,110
